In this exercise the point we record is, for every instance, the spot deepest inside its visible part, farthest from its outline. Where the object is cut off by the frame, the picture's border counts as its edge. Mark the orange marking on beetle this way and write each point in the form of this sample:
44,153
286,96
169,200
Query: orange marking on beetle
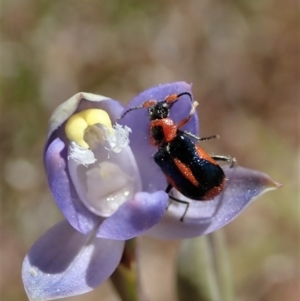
153,141
204,155
171,98
168,126
212,193
149,103
186,172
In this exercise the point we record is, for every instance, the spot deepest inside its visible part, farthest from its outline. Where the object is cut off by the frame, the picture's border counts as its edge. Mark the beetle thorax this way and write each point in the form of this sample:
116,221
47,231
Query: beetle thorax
162,131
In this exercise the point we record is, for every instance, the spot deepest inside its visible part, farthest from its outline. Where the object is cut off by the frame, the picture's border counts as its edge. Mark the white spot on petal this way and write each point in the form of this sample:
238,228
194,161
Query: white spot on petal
107,188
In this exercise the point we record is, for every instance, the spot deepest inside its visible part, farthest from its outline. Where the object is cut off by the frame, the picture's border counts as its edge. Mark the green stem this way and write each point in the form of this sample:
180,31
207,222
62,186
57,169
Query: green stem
197,280
222,265
125,276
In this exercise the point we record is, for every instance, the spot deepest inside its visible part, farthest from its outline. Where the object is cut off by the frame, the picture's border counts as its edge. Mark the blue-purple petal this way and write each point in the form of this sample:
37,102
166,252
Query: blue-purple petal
65,263
63,190
243,186
79,102
138,121
56,156
135,217
112,107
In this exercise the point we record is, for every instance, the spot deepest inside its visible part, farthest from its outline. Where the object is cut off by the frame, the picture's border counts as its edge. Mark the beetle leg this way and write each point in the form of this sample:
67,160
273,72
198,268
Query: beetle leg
198,138
229,159
186,120
168,189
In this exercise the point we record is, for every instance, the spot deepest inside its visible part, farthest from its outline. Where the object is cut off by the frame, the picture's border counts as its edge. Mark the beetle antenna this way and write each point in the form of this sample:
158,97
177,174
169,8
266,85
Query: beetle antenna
146,104
172,98
186,93
129,110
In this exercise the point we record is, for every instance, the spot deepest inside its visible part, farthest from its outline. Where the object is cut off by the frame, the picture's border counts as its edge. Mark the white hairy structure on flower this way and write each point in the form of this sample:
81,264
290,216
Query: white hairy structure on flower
102,182
117,137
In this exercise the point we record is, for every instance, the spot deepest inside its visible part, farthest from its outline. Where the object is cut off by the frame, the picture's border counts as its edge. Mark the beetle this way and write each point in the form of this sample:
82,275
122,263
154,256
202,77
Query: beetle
186,166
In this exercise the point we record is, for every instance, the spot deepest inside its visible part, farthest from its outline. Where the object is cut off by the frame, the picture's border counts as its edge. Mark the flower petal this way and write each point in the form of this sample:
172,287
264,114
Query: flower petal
105,185
79,102
135,217
82,101
138,121
56,157
243,186
63,190
65,263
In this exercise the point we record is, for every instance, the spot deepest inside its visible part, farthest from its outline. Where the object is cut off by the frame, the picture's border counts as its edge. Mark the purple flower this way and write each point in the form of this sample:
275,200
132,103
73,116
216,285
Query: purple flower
110,190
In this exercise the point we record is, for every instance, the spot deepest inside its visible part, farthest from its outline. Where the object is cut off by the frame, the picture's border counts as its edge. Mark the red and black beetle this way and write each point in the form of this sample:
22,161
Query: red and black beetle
187,167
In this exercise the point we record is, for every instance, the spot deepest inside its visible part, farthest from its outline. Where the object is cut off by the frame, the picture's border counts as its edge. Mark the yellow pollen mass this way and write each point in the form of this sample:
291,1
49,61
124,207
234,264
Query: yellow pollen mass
79,122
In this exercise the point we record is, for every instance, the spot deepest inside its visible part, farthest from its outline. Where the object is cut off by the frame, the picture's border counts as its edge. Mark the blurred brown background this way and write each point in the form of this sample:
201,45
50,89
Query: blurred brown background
241,57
